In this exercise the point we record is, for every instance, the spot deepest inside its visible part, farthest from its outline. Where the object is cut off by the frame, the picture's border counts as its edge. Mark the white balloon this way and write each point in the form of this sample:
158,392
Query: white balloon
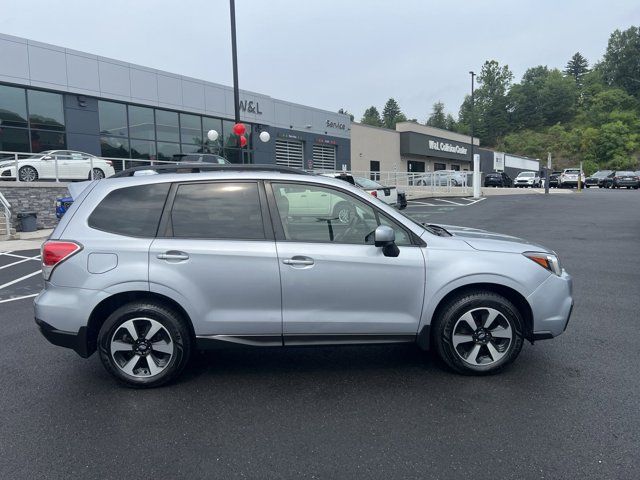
212,135
265,137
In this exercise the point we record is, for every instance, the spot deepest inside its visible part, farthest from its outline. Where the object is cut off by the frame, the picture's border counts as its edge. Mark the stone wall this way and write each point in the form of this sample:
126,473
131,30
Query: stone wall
39,197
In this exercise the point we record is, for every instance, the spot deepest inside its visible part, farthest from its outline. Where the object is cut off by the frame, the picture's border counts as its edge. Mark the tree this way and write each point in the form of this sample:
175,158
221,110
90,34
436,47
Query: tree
391,114
577,67
621,63
345,112
371,117
437,118
491,115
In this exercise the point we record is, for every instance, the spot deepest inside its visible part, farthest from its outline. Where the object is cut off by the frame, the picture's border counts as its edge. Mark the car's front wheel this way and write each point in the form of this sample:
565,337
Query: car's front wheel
144,344
478,333
28,174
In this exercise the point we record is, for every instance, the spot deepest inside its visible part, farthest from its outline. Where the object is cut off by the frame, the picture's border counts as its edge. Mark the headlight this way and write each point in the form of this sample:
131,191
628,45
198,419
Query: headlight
546,260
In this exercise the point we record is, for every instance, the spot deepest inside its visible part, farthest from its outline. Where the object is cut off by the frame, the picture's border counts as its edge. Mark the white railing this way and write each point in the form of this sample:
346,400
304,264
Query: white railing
56,167
438,182
6,209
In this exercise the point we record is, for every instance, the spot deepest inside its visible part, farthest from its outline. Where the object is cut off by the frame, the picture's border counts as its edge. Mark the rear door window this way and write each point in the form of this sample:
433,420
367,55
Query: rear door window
222,210
132,211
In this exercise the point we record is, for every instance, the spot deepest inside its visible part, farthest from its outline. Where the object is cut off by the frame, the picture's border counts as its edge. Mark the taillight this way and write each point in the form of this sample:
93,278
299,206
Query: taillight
374,193
54,252
109,162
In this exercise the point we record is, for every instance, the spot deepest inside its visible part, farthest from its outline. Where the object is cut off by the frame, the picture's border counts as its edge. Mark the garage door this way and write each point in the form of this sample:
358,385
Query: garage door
324,157
289,153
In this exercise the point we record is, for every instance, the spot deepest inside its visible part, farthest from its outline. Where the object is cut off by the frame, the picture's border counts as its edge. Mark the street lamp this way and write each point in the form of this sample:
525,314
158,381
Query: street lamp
473,113
234,58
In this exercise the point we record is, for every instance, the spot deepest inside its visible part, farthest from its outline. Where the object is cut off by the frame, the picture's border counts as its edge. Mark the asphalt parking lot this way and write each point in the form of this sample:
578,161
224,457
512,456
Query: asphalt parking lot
568,407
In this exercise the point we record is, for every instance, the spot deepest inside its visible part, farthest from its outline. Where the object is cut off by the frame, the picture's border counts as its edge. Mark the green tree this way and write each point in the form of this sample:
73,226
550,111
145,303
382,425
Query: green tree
558,98
437,118
577,67
391,114
344,111
491,104
621,63
371,117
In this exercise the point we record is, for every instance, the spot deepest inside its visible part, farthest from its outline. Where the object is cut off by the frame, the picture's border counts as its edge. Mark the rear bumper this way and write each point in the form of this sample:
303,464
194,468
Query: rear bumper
77,341
552,304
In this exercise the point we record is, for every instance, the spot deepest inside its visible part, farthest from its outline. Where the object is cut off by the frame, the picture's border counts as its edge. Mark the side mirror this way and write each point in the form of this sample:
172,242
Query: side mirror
47,157
385,237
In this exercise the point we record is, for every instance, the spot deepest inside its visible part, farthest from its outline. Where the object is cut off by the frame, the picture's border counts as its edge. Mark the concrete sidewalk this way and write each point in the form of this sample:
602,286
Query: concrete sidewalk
27,241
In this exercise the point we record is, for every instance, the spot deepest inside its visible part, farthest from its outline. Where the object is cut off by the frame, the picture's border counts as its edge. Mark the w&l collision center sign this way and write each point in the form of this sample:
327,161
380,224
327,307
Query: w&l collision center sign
420,144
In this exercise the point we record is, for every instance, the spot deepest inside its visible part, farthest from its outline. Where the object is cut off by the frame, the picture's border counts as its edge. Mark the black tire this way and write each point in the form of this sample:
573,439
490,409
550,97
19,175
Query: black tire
173,324
98,174
28,174
449,315
344,212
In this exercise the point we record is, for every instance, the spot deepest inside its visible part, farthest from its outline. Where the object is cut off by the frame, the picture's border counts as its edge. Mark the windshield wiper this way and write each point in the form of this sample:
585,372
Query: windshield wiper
436,229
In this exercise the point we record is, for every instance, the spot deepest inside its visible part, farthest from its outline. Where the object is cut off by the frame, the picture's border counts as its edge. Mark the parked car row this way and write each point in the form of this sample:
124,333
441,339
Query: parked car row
614,179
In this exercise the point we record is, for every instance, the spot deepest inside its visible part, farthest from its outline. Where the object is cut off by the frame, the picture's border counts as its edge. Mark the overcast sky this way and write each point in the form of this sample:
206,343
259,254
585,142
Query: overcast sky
328,53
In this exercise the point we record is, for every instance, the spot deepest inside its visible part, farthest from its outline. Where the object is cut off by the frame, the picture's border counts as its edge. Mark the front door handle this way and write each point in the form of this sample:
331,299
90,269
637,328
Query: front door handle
299,261
173,255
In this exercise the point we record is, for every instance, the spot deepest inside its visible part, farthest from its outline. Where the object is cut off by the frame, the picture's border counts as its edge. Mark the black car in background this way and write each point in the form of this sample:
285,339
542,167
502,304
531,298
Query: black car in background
553,179
621,179
597,178
497,179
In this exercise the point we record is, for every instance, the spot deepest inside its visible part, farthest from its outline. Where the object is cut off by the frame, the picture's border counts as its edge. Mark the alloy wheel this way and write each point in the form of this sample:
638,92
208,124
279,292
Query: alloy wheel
28,174
482,336
141,347
98,174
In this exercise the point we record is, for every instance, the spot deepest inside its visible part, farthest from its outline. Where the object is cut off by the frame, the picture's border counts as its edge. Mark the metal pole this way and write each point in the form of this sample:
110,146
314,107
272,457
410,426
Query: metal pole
234,55
17,174
547,174
580,178
473,112
55,160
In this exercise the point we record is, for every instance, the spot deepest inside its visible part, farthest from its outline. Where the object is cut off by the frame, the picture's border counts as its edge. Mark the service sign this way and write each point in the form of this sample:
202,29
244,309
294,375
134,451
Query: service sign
498,161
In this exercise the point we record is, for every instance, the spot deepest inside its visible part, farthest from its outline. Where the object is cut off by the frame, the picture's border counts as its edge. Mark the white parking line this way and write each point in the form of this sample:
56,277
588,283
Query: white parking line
414,202
9,254
20,279
20,261
6,300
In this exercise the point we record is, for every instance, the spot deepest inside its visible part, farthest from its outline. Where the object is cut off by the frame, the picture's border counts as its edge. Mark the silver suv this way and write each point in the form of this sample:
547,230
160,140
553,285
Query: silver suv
146,269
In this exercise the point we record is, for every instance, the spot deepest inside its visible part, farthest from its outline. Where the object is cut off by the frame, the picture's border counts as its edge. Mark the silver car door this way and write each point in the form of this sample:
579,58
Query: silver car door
336,285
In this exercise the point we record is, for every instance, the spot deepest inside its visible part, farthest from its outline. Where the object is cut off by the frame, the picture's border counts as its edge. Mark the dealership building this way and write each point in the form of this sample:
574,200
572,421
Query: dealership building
411,147
56,98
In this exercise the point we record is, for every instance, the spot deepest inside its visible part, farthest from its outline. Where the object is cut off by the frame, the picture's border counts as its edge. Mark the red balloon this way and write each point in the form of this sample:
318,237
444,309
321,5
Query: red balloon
239,129
243,141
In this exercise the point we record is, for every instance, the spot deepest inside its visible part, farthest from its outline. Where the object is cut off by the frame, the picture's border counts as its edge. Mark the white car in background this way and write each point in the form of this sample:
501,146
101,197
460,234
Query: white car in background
528,179
388,195
569,178
441,178
68,164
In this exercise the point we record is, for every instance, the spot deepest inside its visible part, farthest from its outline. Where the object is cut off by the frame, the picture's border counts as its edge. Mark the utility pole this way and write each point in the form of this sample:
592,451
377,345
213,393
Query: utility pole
473,111
234,56
548,174
474,158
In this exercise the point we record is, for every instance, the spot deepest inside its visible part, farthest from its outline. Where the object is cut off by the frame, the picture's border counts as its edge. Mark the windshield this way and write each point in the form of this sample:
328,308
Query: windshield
366,183
625,174
601,173
526,174
572,171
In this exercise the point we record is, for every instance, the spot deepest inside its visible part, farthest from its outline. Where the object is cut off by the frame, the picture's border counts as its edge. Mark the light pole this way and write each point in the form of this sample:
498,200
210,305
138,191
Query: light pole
234,57
473,111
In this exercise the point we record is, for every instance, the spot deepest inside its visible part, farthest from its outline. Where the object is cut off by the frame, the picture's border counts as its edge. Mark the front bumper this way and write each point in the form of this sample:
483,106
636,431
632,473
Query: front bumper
552,304
77,341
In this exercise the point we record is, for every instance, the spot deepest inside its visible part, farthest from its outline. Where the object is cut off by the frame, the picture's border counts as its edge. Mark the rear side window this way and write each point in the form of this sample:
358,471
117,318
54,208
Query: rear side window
132,211
218,210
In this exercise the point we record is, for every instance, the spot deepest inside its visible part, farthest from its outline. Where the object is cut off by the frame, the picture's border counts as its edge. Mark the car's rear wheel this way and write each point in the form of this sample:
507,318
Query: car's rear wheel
478,333
144,344
28,174
98,174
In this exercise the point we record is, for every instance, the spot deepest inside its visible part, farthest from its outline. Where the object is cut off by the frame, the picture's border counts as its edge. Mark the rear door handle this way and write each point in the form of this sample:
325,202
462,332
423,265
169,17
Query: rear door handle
299,261
173,255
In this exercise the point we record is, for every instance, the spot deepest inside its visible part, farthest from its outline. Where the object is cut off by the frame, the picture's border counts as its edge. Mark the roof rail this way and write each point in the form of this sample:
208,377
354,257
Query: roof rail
204,167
